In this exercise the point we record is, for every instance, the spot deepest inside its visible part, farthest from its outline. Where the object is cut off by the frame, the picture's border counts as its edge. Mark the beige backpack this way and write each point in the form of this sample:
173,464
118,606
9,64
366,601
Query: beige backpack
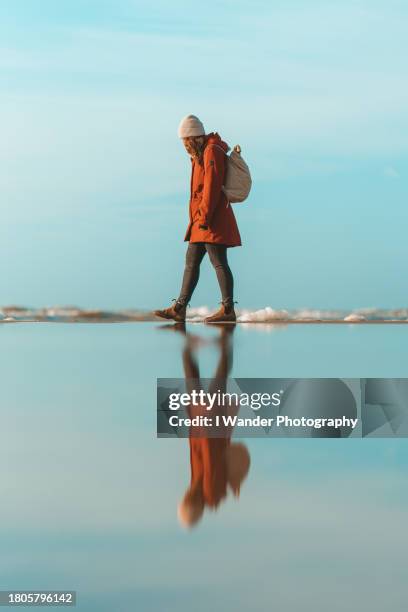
238,180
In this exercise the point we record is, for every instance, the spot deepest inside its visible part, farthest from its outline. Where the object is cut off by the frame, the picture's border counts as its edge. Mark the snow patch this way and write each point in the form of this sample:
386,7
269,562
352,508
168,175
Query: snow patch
264,315
355,318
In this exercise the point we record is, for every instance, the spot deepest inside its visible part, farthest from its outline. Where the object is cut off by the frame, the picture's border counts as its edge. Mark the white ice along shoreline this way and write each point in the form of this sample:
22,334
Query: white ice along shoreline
266,315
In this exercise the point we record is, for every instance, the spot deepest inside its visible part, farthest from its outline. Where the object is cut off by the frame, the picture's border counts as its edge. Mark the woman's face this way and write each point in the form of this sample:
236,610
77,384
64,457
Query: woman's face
194,145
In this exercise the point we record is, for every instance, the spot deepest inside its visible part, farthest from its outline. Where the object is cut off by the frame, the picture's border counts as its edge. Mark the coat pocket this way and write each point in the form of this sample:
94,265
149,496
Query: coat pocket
198,193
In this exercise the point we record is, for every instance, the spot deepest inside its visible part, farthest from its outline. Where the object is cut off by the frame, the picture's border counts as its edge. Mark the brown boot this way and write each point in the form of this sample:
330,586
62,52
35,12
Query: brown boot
177,312
225,314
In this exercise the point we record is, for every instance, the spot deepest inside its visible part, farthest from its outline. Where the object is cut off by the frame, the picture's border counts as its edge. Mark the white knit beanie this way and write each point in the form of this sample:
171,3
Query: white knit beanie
190,125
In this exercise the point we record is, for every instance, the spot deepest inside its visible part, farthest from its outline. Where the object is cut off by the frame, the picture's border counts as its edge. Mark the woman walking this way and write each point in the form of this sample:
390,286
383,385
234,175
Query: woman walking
212,226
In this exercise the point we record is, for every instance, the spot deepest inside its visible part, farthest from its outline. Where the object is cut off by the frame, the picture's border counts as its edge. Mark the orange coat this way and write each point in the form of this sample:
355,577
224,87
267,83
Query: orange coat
208,203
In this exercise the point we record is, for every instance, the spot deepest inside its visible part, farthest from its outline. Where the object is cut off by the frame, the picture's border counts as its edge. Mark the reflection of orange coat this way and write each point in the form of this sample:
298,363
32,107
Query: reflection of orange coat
209,468
208,459
208,203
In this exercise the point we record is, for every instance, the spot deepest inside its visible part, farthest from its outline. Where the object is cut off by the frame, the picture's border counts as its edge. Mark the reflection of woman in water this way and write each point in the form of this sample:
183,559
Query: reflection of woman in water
217,464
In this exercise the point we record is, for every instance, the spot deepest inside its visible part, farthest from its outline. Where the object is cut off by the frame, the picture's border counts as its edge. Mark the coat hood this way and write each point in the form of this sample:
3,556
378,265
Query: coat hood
215,138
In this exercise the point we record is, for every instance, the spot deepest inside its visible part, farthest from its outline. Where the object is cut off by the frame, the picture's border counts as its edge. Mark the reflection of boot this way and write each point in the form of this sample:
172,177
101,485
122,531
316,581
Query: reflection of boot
225,314
178,326
177,312
226,332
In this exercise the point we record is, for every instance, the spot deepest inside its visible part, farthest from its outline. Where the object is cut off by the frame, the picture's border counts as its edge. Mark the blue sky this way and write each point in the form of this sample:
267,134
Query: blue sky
94,181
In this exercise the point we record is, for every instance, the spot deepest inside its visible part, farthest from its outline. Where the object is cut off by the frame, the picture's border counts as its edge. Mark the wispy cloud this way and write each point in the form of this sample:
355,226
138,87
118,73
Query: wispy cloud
391,172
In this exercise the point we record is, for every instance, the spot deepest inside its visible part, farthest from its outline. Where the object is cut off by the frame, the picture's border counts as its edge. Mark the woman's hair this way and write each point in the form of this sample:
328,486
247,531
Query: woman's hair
197,147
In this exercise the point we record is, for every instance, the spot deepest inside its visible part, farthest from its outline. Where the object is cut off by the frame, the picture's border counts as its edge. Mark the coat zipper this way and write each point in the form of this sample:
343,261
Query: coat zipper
191,190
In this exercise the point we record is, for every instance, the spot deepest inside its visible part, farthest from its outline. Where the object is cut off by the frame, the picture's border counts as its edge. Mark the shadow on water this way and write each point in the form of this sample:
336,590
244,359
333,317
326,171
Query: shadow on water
217,465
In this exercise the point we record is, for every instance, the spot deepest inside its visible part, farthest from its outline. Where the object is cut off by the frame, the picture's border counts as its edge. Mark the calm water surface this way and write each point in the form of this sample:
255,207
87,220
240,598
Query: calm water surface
89,496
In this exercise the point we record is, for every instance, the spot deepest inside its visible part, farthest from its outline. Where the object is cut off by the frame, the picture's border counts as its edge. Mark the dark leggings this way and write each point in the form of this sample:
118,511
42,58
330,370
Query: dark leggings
218,257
